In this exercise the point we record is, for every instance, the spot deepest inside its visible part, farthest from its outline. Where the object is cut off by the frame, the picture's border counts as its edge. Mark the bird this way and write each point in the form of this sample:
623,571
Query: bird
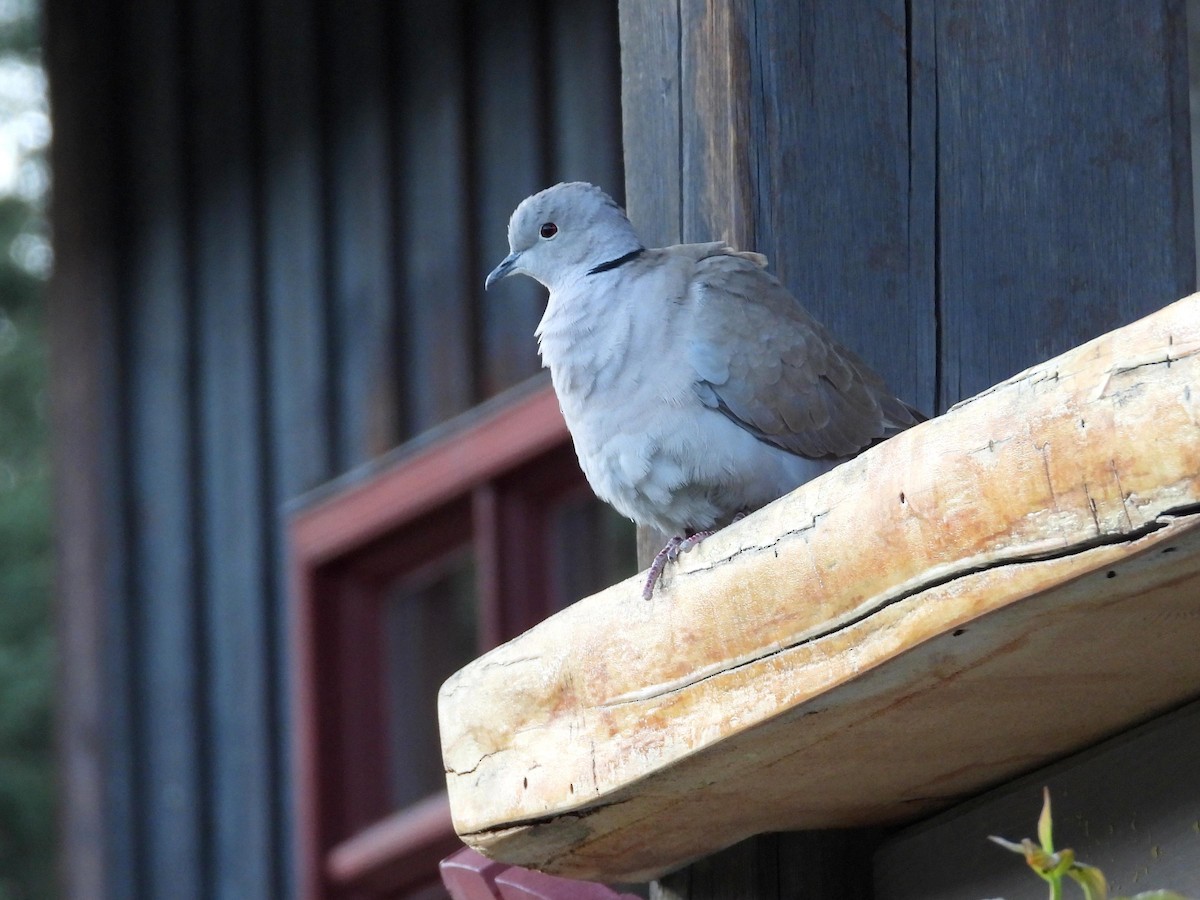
695,386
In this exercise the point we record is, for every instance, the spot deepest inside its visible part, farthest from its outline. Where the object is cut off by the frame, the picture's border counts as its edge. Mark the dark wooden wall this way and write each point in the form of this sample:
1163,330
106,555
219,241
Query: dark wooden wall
959,188
273,221
1129,806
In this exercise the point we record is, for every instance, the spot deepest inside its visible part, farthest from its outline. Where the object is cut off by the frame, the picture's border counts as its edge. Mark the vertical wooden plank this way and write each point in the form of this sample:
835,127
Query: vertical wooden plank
1064,182
651,119
799,143
719,192
437,285
356,111
509,528
509,163
924,299
312,687
234,568
585,101
94,733
1192,19
789,110
298,377
341,719
840,186
159,357
651,127
293,265
800,149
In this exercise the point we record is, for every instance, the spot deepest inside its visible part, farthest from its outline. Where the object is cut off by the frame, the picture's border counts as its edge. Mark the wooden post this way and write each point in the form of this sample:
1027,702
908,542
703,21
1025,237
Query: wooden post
688,177
854,150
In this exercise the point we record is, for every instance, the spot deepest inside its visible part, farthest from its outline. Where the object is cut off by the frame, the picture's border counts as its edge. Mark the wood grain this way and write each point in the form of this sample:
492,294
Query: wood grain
234,838
929,618
1055,182
506,117
357,111
801,144
717,159
651,119
297,380
161,462
438,291
584,83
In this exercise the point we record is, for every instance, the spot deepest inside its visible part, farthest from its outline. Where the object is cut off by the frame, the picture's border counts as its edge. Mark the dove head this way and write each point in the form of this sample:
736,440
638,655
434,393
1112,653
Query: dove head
560,234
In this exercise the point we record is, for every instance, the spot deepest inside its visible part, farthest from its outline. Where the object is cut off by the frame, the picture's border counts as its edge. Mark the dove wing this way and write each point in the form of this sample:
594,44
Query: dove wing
766,364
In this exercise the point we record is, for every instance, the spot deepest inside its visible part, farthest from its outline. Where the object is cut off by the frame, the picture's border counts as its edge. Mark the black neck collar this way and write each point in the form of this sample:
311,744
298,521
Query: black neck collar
619,261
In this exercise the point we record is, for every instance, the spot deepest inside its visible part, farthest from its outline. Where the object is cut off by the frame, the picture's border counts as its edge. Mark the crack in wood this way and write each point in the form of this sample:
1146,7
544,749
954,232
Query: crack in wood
1040,374
582,812
475,766
1162,520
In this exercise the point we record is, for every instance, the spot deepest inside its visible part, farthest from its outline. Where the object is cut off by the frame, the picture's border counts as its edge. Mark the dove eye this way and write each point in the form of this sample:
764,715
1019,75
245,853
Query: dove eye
548,230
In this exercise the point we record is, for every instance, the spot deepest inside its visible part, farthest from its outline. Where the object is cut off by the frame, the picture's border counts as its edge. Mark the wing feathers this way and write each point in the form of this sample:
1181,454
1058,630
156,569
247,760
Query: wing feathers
768,366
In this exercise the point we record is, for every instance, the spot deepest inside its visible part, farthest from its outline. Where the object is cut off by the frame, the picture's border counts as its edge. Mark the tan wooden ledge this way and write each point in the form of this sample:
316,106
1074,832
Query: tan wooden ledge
993,589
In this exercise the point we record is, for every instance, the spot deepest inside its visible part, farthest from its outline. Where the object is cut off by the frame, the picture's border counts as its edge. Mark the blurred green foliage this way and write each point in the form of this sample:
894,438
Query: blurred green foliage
26,651
26,641
1060,867
19,27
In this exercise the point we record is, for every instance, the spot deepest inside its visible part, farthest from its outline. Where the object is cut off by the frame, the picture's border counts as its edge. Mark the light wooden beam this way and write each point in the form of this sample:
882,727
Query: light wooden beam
986,592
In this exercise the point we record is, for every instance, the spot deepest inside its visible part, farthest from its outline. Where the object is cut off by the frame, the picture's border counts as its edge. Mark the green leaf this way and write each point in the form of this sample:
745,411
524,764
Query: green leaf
1045,825
1009,845
1091,880
1050,865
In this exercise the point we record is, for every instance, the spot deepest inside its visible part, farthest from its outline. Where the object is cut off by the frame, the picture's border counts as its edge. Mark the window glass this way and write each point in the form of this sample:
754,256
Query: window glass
431,620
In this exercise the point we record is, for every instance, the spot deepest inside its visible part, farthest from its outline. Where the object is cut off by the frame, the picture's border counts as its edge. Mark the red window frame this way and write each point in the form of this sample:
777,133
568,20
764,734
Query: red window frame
491,481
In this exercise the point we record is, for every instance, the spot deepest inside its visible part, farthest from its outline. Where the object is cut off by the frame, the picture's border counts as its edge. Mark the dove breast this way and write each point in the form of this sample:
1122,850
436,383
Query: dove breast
675,383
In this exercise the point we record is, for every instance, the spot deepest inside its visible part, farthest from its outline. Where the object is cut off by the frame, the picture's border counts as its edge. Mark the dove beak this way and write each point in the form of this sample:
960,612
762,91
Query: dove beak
503,270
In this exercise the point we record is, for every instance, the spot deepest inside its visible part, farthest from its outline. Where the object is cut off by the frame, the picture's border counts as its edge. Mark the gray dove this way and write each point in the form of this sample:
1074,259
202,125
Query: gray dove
695,387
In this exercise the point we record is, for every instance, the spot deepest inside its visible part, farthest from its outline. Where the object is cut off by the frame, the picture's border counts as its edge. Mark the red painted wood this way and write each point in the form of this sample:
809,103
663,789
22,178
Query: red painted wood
512,543
468,875
397,852
509,437
411,546
360,716
515,883
493,482
340,716
307,759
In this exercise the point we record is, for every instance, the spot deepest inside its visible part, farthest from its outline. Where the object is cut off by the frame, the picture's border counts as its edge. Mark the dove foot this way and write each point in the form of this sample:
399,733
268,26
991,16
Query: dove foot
669,553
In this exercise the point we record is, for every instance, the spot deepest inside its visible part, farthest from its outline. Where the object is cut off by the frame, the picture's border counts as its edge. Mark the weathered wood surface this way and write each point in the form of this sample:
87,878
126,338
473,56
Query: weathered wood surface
988,591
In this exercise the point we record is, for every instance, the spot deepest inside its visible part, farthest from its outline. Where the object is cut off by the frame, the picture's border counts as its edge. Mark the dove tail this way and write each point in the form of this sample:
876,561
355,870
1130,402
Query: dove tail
898,415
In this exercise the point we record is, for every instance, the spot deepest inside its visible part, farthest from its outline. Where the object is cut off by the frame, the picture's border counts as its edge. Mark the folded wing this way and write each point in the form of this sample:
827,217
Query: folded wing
766,364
